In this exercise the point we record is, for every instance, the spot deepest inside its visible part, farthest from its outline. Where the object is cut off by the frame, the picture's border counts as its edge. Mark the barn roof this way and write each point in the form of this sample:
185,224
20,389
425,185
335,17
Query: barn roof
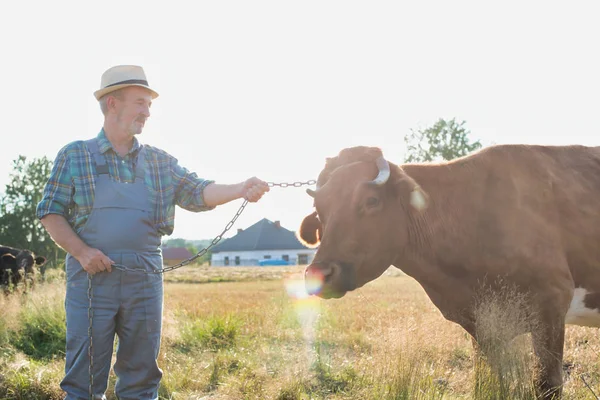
263,235
176,253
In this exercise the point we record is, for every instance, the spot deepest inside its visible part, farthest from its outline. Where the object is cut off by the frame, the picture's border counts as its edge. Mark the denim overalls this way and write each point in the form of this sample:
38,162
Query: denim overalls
126,303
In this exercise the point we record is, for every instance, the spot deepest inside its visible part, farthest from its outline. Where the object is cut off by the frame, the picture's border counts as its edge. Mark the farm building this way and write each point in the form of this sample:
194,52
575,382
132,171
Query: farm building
175,255
264,243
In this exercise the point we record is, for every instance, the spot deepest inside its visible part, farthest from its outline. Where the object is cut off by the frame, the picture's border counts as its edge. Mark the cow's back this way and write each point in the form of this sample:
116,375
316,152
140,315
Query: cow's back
509,202
555,186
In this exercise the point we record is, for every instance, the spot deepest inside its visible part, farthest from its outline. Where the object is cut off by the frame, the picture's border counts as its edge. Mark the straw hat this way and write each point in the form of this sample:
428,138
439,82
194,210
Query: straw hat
122,76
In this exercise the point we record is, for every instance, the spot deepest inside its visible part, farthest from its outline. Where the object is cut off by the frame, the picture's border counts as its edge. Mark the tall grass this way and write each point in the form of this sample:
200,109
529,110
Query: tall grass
32,332
248,340
215,333
41,332
503,364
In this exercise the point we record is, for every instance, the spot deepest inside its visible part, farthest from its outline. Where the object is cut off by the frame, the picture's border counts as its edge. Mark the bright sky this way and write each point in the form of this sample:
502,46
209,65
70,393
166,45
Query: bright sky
271,88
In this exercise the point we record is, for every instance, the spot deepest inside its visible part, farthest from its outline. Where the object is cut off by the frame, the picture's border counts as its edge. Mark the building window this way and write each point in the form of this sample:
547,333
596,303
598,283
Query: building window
285,257
267,257
226,260
237,260
302,259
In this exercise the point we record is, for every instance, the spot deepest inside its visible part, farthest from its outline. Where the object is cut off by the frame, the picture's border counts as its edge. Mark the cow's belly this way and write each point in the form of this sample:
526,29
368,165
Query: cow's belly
578,314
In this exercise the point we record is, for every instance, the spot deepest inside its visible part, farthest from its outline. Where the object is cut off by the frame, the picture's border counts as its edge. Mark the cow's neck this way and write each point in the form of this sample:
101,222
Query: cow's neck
439,226
434,254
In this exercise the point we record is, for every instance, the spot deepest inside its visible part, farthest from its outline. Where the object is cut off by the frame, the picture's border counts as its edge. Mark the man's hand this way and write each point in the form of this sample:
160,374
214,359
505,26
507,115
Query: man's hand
93,260
253,189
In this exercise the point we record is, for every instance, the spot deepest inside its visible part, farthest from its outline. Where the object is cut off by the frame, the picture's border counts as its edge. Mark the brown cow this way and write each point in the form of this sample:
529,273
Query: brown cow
528,215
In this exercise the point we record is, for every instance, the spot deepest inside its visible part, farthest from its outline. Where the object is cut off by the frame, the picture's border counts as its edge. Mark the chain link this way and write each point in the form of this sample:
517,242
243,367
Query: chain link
294,184
202,252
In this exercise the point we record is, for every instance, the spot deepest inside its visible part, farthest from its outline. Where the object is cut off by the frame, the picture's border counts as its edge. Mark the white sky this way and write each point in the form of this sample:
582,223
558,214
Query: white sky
271,88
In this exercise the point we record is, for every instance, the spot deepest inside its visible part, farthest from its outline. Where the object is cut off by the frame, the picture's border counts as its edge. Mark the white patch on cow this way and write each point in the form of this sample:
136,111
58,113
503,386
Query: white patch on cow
417,200
578,314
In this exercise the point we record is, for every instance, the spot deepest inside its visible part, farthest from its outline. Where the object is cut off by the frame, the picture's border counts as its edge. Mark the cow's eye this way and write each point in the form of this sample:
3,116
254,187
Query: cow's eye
372,201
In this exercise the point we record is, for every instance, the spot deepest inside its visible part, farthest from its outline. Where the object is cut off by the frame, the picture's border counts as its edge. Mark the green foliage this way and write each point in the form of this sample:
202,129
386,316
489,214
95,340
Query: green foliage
323,382
222,366
175,242
445,140
30,381
412,379
218,332
192,249
42,330
330,381
4,336
19,226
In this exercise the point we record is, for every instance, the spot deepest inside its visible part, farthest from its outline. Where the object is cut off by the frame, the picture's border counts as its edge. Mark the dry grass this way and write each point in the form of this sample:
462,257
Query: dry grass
206,274
385,341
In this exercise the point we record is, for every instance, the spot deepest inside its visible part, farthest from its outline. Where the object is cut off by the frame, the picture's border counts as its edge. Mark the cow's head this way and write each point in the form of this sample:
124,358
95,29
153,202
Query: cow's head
363,205
28,261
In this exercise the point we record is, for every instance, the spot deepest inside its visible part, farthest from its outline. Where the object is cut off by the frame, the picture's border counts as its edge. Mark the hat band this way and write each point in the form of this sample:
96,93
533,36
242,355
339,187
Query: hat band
130,81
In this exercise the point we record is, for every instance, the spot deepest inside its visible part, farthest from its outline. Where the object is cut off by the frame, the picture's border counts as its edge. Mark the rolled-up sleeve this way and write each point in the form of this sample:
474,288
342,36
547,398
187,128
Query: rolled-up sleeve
189,189
56,198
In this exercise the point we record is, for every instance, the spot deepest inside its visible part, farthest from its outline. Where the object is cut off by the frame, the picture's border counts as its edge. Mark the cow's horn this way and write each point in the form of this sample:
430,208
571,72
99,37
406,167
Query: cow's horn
384,171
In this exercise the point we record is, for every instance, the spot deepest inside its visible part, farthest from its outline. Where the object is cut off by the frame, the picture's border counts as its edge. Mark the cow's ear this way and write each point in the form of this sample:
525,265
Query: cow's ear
408,191
310,230
39,260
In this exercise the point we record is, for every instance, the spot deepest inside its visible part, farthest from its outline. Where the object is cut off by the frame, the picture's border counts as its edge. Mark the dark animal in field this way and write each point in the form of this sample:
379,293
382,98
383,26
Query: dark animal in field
18,264
524,215
10,275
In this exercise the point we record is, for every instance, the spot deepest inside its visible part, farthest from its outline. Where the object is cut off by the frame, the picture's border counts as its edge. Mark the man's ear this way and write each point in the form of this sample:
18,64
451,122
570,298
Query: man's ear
111,102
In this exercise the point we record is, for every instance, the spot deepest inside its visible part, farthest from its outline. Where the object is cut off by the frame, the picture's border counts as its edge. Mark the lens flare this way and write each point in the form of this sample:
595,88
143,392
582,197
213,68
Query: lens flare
307,309
313,281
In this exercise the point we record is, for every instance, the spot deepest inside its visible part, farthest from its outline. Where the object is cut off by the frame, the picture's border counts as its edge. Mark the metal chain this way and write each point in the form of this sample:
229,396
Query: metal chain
216,240
122,267
295,184
91,344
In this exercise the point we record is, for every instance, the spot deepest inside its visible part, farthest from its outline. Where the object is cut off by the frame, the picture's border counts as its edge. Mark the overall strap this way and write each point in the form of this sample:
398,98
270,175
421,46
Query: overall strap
99,160
140,167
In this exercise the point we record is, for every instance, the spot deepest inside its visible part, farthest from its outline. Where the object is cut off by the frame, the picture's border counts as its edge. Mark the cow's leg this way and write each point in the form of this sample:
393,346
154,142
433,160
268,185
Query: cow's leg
548,343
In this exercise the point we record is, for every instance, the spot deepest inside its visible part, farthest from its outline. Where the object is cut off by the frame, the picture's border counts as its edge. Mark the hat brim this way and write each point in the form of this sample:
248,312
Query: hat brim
103,92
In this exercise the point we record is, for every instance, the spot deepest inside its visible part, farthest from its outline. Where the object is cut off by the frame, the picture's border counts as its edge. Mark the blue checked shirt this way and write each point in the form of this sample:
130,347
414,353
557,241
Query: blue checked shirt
70,188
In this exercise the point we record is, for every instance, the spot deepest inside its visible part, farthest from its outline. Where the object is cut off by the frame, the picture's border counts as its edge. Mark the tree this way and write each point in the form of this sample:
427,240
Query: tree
175,242
445,140
19,225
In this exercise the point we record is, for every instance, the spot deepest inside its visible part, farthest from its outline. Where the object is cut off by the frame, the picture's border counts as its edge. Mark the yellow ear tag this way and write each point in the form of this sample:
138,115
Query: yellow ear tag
417,200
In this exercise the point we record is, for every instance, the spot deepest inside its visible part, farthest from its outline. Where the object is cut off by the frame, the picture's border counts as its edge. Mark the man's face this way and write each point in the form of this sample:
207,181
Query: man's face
133,109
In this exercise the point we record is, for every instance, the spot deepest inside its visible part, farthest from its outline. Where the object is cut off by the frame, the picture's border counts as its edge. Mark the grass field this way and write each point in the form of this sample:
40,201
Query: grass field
245,333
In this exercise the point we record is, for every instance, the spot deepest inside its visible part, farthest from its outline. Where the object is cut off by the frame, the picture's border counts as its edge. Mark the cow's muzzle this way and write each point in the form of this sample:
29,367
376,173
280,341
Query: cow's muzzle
329,280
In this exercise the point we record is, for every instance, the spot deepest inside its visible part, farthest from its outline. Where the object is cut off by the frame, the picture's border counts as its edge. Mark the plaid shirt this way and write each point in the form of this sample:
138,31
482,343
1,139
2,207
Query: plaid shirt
70,188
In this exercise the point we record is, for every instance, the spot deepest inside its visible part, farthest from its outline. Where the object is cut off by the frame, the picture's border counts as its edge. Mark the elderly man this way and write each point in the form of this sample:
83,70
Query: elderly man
109,200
